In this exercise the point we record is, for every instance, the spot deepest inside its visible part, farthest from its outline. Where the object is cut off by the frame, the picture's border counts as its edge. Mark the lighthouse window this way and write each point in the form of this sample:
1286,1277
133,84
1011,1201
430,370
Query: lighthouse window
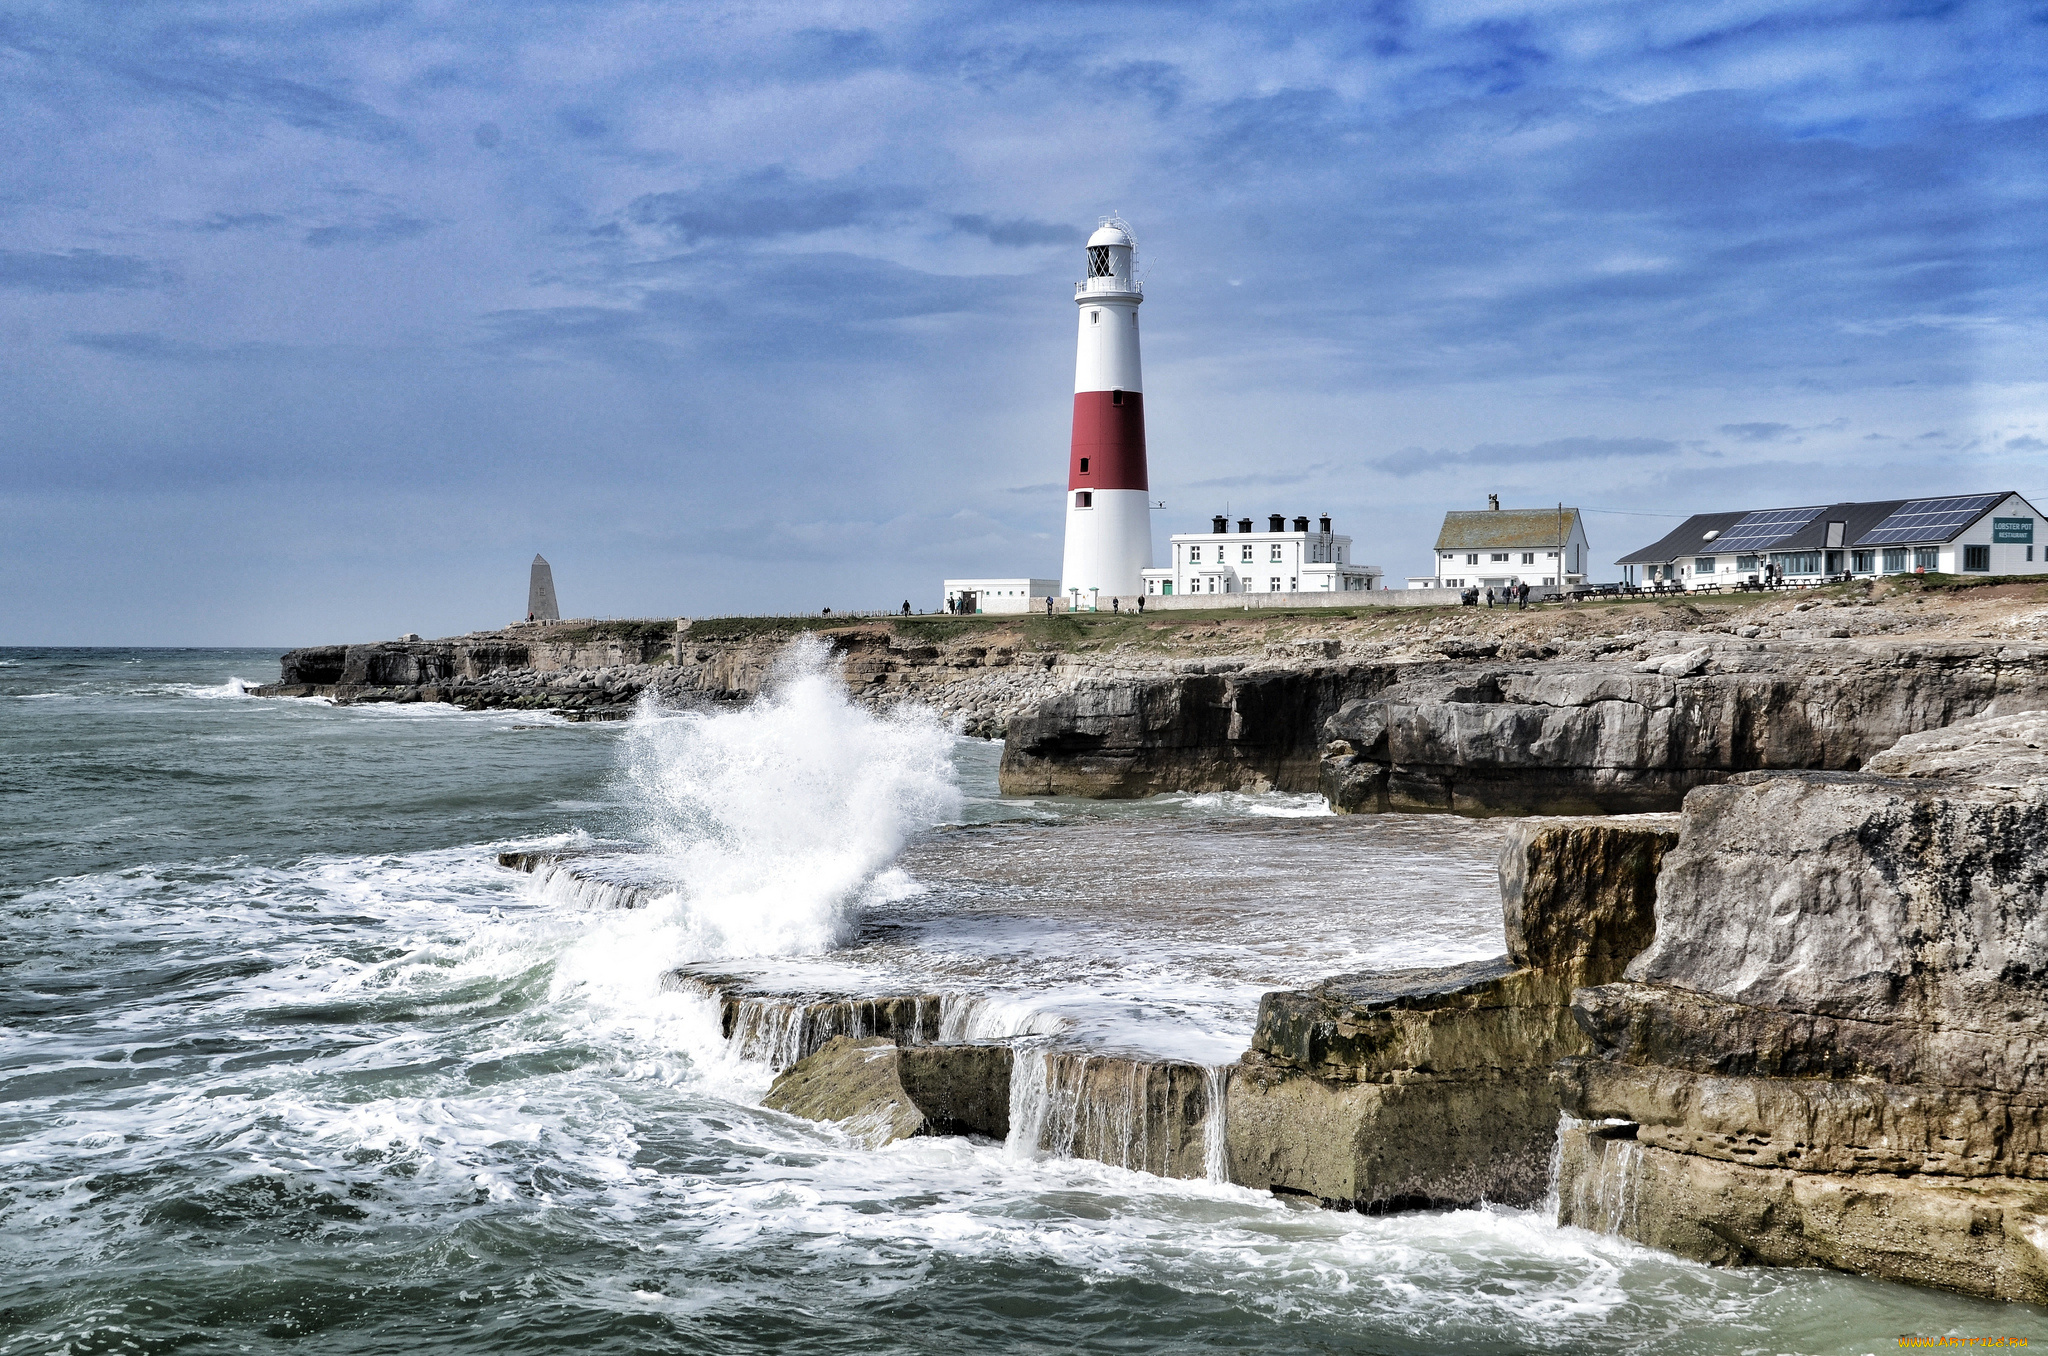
1095,317
1084,466
1116,397
1098,261
1084,499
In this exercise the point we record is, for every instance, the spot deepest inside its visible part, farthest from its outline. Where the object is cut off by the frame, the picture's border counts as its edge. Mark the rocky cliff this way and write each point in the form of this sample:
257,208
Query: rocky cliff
1432,1087
1624,733
1833,1051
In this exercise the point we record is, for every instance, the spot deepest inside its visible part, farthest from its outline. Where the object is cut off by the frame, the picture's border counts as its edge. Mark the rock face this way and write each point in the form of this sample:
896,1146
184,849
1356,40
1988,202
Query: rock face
1218,727
1587,738
1148,1115
1483,735
1432,1087
598,670
1835,1051
882,1092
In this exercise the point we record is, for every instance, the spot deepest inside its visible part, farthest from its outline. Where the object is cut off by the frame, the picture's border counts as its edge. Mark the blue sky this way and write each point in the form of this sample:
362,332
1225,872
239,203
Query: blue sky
321,319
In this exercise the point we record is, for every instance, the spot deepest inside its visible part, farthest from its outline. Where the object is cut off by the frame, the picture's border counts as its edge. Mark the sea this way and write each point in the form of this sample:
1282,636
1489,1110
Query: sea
290,1063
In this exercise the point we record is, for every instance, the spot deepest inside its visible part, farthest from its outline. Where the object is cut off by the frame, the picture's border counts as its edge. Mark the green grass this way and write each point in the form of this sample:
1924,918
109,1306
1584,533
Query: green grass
577,633
1956,583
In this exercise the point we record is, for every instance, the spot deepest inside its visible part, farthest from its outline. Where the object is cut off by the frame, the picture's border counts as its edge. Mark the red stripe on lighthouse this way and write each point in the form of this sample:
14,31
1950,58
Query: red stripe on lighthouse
1109,437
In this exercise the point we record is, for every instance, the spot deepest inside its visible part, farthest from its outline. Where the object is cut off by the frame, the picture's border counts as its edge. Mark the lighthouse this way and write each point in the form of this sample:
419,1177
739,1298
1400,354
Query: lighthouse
1109,519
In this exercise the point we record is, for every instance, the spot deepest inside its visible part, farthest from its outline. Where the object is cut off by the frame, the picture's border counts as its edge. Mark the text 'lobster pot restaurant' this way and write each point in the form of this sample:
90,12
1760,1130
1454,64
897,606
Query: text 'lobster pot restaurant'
1961,534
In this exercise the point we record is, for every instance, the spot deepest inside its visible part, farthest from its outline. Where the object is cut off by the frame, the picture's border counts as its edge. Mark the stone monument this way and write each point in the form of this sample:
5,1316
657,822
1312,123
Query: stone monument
540,593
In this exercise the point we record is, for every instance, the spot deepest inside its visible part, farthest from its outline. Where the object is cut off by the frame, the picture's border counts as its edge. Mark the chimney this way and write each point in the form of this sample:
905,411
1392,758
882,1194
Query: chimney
1219,524
1276,522
1244,524
1493,502
1326,524
1301,524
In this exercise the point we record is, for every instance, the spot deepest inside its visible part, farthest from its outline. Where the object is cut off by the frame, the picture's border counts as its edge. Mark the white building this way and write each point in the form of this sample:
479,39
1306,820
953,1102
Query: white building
1277,560
1961,534
999,595
1109,504
1496,548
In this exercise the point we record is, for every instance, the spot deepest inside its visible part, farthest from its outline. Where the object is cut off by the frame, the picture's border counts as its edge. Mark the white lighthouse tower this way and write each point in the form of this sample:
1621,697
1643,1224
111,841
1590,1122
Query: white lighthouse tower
1109,518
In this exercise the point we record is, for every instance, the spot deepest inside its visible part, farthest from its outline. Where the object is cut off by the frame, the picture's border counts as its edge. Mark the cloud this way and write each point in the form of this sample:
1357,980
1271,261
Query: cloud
157,348
223,85
1018,232
383,231
78,271
770,203
1756,433
2026,443
1414,461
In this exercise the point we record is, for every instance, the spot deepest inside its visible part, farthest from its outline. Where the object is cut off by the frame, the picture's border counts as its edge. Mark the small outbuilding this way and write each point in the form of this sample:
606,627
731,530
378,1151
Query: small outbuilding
999,595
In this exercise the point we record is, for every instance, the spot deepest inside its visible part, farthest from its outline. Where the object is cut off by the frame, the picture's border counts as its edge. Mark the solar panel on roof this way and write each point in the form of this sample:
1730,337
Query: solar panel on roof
1929,519
1763,529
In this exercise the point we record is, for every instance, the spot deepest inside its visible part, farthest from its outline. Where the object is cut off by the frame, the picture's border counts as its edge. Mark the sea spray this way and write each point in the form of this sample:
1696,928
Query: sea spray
769,828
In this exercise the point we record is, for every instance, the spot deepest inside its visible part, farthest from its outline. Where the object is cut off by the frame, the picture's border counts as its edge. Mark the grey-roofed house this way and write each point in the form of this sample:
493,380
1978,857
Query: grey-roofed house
1955,534
1498,548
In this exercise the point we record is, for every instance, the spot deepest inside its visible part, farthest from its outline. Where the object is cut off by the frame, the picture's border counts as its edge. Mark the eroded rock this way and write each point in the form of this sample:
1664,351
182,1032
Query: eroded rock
882,1092
1835,1051
1397,1089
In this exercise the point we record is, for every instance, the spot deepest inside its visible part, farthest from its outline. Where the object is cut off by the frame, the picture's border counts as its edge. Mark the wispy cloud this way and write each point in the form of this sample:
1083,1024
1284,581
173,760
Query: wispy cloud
79,270
1017,232
769,203
382,230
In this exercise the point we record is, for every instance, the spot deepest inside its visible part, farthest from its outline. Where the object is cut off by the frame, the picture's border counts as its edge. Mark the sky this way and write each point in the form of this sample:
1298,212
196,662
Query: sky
318,320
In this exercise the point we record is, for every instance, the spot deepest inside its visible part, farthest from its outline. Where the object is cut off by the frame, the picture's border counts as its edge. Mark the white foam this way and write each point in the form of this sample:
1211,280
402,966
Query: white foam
775,824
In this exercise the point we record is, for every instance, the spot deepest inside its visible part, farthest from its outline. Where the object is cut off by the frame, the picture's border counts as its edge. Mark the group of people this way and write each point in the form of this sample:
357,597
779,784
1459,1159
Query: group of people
1518,594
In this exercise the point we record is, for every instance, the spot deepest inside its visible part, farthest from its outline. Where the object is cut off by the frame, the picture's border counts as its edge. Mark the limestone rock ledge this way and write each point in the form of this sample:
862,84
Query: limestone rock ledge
1835,1051
1475,733
1399,1089
882,1092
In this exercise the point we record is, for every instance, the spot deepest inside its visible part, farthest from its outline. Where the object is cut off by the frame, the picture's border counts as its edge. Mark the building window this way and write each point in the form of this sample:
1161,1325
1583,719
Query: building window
1116,397
1084,466
1293,585
1703,564
1977,558
1272,586
1927,557
1894,559
1275,554
1745,563
1244,554
1500,557
1098,261
1084,499
1799,562
1528,557
1550,555
1550,579
1472,560
1095,317
1195,554
1340,554
1863,562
